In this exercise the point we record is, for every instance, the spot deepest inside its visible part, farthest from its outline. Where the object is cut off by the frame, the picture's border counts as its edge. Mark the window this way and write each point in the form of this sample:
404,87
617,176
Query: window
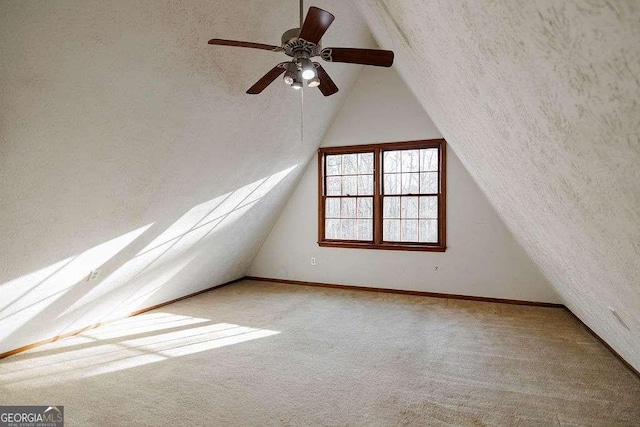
383,196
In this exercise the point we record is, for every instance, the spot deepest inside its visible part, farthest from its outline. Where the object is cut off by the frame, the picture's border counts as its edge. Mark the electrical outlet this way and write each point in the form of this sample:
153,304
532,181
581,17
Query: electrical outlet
313,261
93,275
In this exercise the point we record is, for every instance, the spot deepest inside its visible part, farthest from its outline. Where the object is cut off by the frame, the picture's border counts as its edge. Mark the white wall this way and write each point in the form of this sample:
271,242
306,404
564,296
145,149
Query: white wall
482,258
128,145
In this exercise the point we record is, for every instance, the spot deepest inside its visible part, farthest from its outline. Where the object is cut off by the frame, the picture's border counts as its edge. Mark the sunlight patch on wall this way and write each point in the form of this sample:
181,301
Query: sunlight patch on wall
25,297
128,343
176,247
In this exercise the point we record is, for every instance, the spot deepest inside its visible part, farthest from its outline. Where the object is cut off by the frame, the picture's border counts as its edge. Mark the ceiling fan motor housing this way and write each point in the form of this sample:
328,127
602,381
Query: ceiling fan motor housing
295,47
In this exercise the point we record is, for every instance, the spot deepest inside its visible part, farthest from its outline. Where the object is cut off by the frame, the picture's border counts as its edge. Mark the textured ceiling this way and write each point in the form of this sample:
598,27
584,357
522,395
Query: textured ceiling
540,100
127,143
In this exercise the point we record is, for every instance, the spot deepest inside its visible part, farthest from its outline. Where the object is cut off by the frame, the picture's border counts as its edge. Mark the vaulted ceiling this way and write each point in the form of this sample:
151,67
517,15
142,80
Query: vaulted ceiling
539,99
127,143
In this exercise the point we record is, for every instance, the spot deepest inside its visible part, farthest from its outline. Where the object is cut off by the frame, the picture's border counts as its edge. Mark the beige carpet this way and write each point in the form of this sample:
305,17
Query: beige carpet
257,353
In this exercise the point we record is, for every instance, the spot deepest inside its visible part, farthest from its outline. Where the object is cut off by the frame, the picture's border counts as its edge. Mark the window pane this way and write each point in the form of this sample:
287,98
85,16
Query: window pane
391,230
409,230
410,183
391,160
391,207
365,163
365,207
334,165
409,207
365,185
348,207
429,182
429,159
429,231
391,184
332,229
410,159
365,229
429,207
410,195
334,185
349,185
332,208
348,229
349,164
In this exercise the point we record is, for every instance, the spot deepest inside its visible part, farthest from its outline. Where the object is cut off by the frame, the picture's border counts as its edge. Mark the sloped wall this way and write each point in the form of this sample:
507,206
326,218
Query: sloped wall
128,145
482,257
540,101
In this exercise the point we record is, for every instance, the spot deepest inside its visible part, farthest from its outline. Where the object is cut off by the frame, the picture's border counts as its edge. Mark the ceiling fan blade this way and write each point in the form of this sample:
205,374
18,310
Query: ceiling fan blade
266,80
327,86
315,24
380,58
235,43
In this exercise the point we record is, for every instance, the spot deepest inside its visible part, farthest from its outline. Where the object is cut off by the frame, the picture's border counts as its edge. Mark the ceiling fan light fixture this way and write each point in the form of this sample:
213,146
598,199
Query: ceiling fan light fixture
313,82
297,81
291,73
308,70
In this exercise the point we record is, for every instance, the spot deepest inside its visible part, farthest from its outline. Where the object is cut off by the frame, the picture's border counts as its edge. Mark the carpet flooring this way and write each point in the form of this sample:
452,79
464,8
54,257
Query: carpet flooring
257,353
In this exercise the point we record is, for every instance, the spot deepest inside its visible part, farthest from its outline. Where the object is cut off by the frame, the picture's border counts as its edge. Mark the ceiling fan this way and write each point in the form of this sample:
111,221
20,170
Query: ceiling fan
302,44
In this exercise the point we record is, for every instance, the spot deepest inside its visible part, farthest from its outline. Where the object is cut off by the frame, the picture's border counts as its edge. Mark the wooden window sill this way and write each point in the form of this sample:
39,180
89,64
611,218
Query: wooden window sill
383,246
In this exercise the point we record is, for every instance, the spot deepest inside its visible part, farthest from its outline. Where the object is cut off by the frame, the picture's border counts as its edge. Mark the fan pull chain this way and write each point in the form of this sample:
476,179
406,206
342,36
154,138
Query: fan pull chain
302,115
